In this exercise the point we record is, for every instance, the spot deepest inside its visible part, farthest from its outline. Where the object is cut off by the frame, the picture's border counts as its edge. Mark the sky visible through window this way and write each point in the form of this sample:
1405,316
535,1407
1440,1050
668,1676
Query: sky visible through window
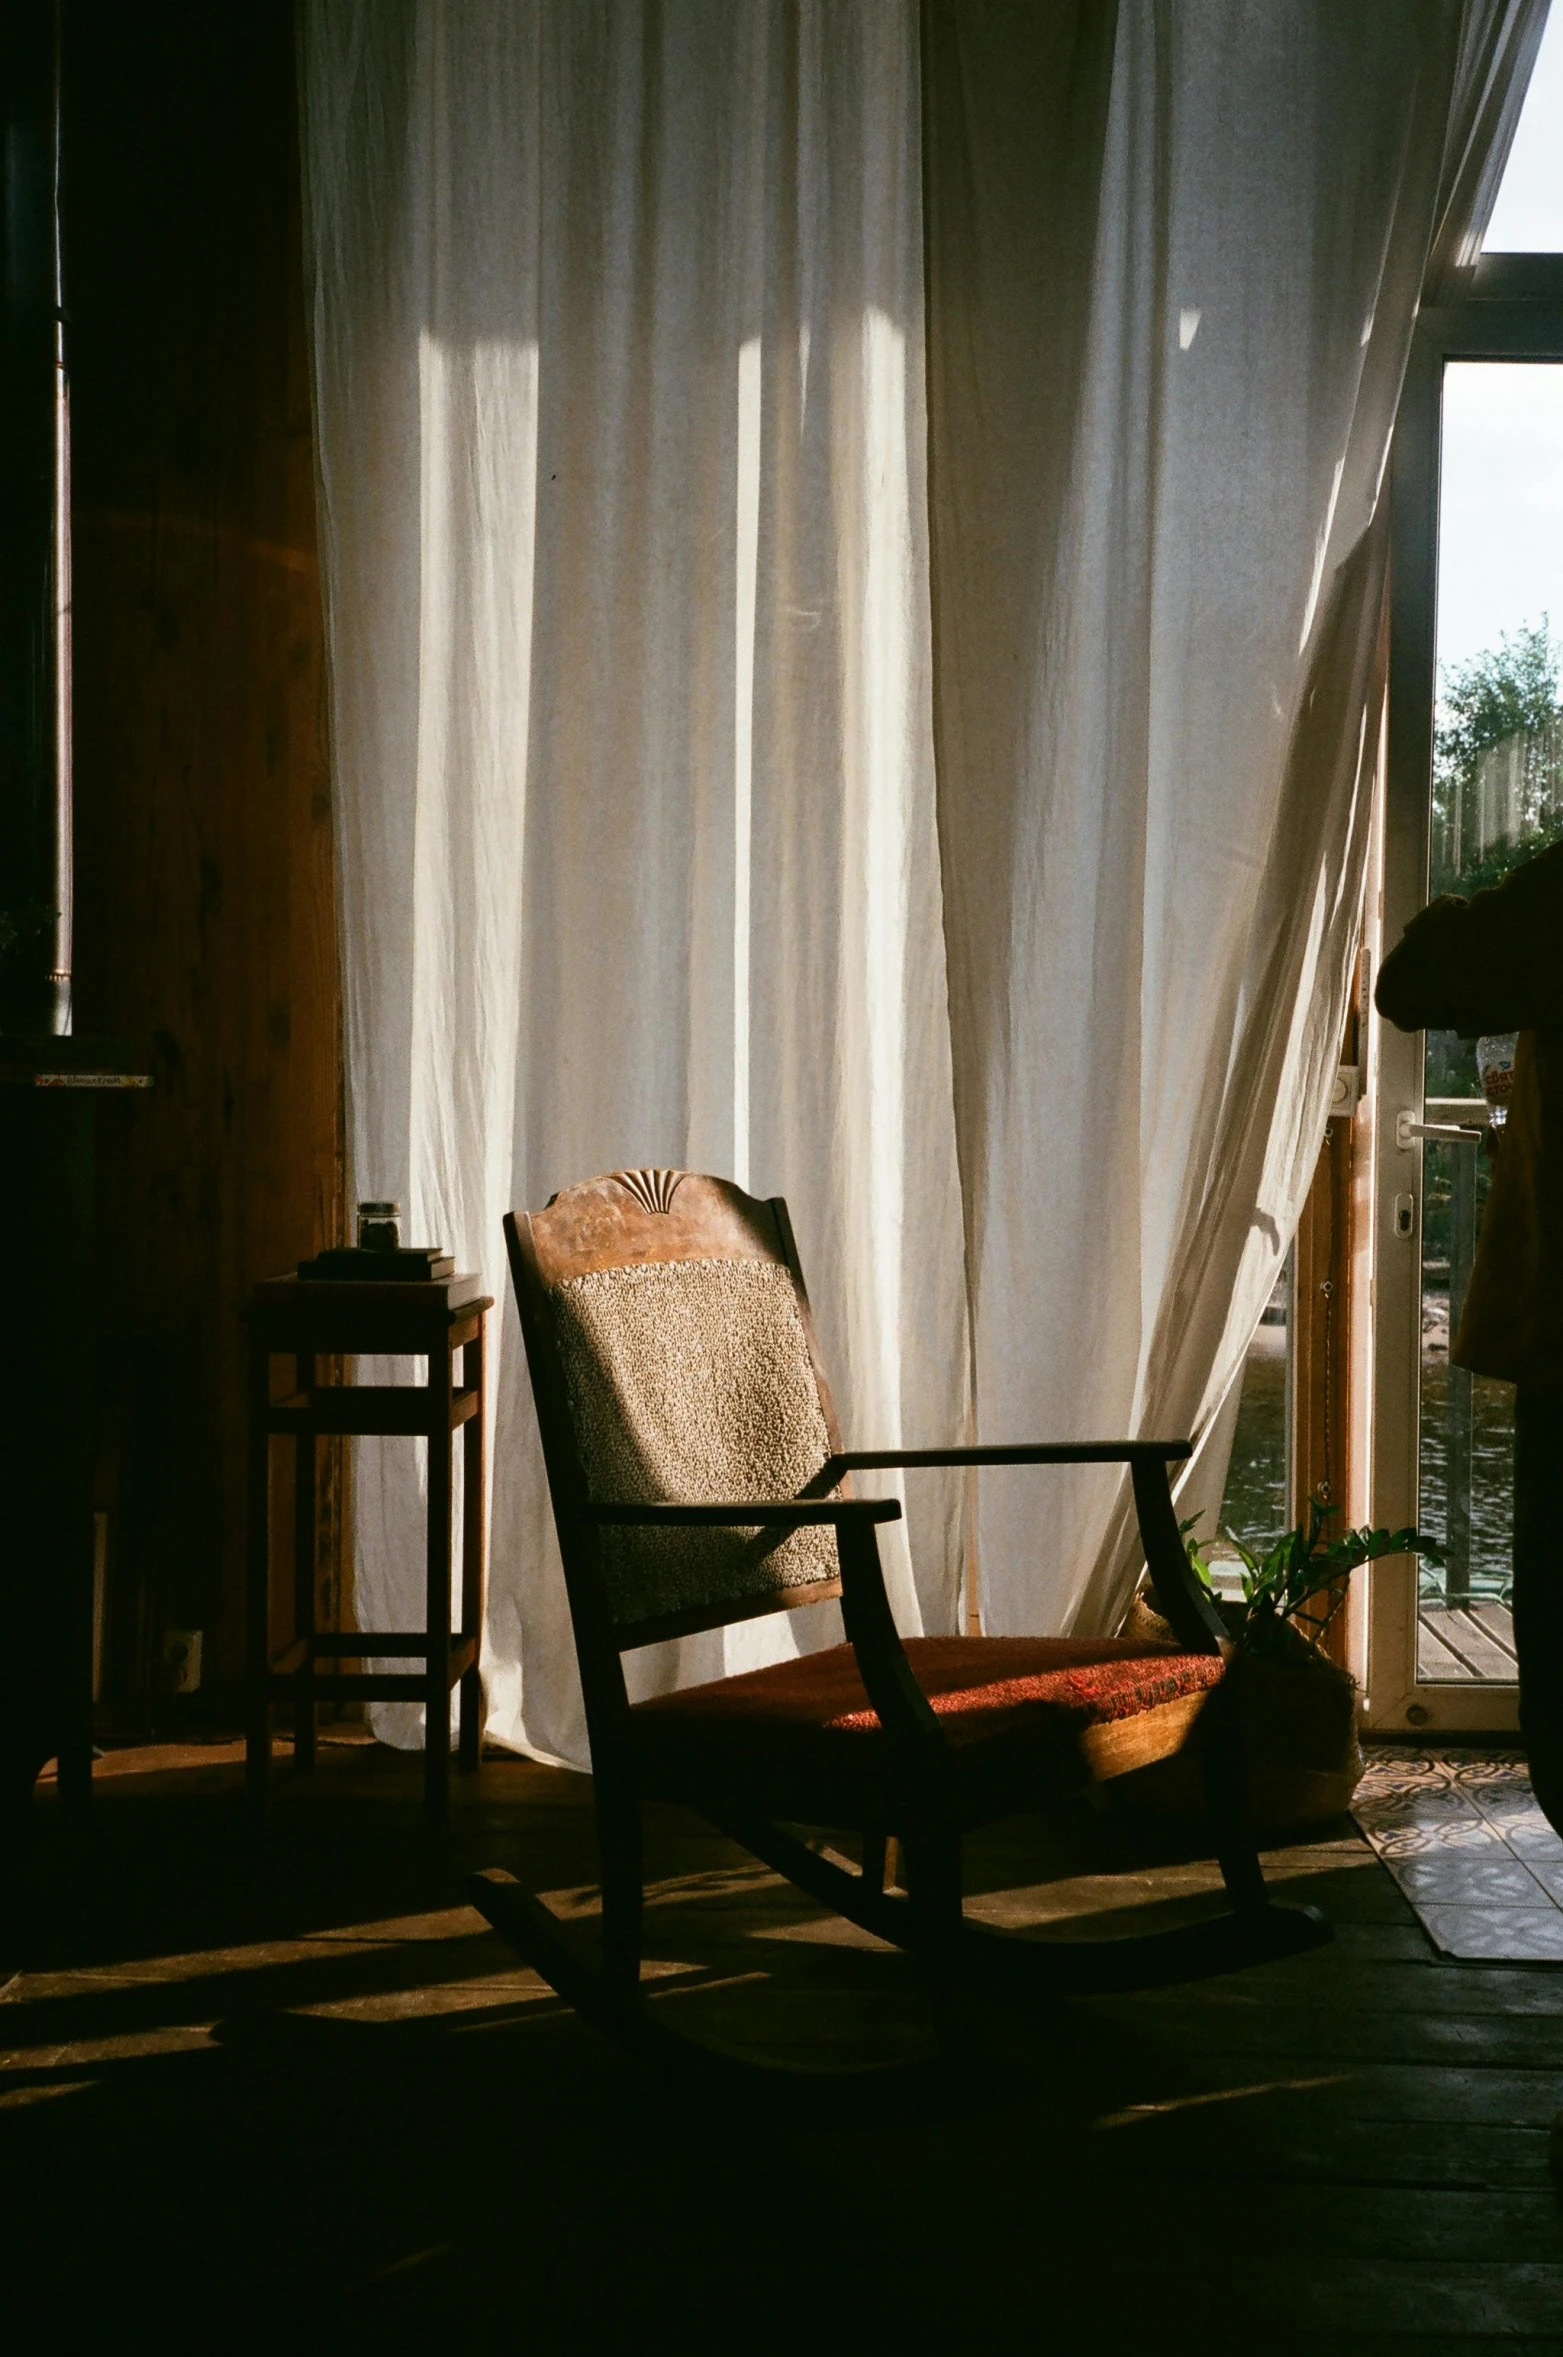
1500,541
1501,514
1528,216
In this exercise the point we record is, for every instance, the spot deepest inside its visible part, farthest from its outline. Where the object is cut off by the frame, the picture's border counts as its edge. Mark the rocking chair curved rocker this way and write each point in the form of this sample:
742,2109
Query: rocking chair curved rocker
698,1479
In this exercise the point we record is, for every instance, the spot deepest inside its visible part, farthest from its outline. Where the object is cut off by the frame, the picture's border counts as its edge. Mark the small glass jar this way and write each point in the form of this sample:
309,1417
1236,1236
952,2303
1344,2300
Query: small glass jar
379,1227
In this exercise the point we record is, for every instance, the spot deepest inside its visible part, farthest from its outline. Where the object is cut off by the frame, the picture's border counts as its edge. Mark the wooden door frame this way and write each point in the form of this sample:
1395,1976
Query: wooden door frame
1321,1337
1511,308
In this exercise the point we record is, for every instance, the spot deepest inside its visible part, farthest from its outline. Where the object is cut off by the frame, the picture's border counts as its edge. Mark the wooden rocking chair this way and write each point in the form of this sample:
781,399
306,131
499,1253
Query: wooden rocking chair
698,1479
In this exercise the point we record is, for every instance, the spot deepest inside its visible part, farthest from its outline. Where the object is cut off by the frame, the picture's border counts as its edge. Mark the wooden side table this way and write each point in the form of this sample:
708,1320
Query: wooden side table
308,1321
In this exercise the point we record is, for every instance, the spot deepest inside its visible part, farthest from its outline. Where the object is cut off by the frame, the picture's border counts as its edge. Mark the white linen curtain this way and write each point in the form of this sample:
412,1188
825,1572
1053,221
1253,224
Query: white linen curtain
619,345
618,333
1175,256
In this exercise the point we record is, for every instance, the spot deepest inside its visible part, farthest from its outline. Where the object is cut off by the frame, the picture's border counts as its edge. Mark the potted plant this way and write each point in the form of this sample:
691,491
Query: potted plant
1298,1708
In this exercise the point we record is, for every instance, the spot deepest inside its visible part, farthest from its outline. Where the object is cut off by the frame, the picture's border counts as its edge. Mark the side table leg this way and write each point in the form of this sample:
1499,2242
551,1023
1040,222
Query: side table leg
473,1483
304,1453
257,1738
436,1731
75,1566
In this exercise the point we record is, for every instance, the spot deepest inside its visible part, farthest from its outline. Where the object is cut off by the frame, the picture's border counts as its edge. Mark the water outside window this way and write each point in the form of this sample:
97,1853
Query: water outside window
1255,1506
1497,798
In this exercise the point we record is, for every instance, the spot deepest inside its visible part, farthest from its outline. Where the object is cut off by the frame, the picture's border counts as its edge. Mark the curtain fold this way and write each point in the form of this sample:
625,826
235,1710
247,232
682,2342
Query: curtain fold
854,572
1175,254
618,336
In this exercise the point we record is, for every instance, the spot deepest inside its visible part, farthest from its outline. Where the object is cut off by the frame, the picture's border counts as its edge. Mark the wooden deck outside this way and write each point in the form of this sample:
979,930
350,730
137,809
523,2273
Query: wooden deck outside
1466,1644
295,2093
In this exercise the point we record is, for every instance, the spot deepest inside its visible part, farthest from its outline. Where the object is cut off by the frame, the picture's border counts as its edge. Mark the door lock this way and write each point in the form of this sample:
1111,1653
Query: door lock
1405,1215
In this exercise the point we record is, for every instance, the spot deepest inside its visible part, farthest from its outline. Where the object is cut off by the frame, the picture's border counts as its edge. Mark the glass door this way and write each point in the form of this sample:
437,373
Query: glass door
1475,787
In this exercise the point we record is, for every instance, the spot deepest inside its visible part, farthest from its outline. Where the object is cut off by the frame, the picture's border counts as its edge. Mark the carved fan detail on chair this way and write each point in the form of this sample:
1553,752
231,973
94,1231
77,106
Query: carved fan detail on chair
652,1189
698,1478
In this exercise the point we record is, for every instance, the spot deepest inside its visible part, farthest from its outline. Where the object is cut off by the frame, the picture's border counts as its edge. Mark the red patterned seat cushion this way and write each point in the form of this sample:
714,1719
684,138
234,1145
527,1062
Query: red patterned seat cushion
999,1700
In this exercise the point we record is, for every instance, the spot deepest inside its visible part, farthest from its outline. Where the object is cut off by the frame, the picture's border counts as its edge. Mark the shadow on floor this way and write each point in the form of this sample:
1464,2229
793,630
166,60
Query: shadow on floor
289,2085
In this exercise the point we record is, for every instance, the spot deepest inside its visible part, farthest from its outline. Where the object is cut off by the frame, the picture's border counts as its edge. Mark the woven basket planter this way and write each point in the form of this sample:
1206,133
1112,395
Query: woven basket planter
1299,1716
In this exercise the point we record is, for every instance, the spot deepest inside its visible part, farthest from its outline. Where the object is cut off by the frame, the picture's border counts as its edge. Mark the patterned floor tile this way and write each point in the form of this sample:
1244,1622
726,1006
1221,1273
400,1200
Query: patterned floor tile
1487,1767
1461,1833
1424,1801
1511,1797
1471,1836
1404,1775
1498,1880
1534,1838
1517,1935
1503,1803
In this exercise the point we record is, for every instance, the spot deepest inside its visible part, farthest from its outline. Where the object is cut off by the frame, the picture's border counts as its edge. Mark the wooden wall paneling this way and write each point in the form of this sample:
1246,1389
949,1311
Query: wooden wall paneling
206,921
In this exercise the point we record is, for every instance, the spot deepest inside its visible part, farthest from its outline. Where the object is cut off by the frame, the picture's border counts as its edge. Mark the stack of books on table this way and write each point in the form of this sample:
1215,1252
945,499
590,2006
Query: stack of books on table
410,1264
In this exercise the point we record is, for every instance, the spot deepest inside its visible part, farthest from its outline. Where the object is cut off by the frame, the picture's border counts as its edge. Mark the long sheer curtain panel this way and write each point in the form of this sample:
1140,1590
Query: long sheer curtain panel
855,575
618,334
1175,255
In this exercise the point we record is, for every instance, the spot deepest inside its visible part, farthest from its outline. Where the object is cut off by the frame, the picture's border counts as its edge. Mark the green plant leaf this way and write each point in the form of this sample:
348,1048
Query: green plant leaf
1304,1565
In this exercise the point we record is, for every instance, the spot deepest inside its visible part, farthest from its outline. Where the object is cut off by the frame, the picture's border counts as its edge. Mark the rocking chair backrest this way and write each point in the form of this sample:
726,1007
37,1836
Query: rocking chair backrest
673,1358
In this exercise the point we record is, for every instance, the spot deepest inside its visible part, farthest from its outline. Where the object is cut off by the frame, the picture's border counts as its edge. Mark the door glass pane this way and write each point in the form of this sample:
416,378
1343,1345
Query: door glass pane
1466,1471
1497,798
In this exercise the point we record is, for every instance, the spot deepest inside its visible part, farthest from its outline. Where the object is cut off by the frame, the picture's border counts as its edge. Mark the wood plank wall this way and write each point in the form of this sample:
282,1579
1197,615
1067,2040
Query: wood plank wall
206,901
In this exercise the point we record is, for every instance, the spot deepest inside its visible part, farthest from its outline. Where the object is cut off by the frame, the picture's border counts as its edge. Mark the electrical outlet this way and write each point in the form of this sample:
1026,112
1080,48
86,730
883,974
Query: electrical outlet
181,1660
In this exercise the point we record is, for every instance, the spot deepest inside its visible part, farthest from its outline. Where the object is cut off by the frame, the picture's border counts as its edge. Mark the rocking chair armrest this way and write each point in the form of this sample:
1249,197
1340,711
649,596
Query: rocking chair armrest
1065,1452
1181,1597
903,1709
742,1513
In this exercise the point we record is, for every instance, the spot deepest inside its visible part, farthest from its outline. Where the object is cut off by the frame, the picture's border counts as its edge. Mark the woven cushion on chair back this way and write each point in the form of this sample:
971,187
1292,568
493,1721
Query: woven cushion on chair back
691,1380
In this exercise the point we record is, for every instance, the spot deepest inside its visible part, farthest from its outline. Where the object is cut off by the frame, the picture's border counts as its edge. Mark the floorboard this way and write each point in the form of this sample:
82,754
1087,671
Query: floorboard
1460,1642
289,2089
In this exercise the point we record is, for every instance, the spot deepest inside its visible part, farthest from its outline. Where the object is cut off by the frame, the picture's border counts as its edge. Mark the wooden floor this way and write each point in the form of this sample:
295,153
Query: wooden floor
291,2093
1459,1644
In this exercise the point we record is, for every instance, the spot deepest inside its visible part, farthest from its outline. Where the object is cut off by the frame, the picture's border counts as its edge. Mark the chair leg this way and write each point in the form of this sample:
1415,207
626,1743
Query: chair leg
257,1746
930,1923
304,1472
931,1875
931,1867
257,1733
469,1753
1224,1773
880,1870
1238,1857
620,1866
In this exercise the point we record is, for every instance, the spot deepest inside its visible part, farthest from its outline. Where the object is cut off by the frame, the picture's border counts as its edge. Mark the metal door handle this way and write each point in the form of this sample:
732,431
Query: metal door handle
1408,1129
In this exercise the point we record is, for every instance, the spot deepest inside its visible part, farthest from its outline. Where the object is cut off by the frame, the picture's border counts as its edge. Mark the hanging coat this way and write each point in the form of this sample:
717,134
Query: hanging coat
1488,964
